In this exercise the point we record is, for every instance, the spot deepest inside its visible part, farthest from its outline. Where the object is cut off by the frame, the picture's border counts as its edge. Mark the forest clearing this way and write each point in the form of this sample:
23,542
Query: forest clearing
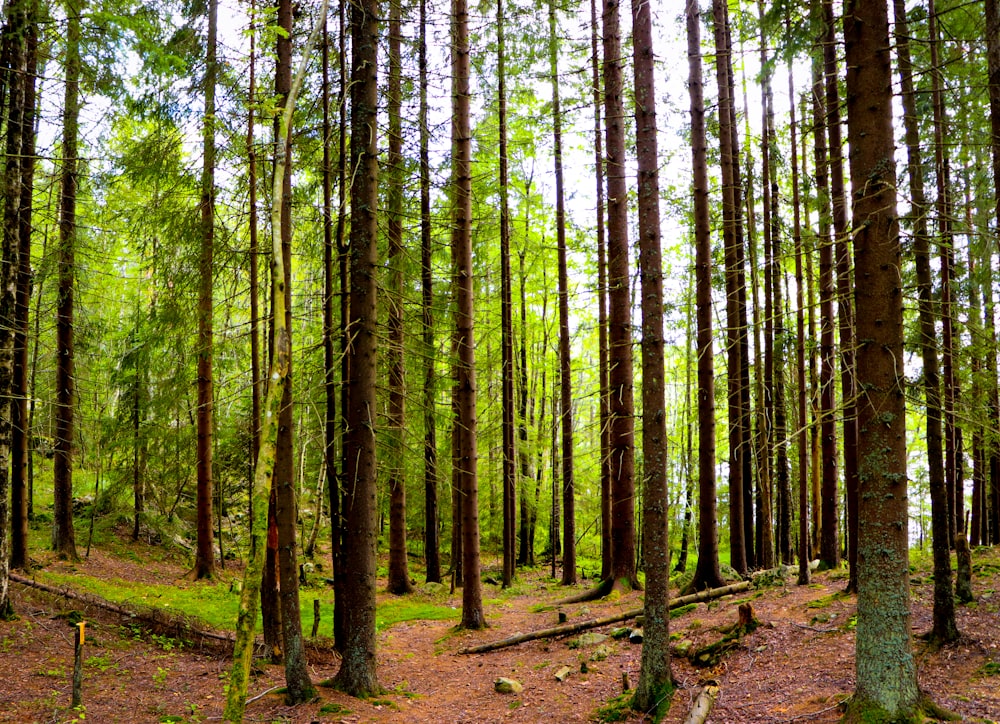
798,666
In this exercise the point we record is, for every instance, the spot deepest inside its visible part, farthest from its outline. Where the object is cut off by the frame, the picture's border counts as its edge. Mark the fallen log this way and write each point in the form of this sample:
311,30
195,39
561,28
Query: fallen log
703,704
571,628
176,625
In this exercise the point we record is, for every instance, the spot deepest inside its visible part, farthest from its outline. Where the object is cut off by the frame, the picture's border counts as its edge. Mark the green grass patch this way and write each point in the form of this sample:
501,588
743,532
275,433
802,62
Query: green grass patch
824,601
681,610
990,668
401,609
617,709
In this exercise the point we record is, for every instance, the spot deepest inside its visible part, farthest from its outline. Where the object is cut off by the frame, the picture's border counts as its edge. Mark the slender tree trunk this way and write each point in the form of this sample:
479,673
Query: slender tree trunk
64,542
507,327
802,430
621,425
432,546
944,627
204,561
885,669
565,368
20,430
525,549
655,677
730,210
829,514
264,468
299,686
688,455
357,675
465,377
602,300
707,573
845,304
399,574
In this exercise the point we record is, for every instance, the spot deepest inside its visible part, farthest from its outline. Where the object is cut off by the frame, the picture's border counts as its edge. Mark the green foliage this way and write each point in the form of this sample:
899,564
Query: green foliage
617,709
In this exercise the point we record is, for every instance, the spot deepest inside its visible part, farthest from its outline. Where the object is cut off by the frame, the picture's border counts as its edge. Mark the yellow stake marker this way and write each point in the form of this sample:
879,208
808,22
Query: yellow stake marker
81,626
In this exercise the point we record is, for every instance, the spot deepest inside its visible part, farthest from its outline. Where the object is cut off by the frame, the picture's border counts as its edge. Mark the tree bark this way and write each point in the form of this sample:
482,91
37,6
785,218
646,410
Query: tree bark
655,677
399,574
465,368
63,541
885,668
621,425
707,573
204,560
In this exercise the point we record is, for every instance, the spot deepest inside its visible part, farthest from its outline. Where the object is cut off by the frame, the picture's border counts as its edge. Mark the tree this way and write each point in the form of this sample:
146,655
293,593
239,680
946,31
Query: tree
885,668
707,573
565,362
621,425
63,539
299,687
655,677
944,627
204,562
431,538
399,574
464,343
506,324
280,361
357,675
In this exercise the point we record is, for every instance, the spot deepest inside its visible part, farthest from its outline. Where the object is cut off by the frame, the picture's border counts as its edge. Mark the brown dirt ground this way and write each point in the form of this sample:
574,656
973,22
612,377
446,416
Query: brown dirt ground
797,667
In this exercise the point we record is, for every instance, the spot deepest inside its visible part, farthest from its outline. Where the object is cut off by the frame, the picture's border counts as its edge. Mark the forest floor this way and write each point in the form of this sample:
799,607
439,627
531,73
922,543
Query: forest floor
798,666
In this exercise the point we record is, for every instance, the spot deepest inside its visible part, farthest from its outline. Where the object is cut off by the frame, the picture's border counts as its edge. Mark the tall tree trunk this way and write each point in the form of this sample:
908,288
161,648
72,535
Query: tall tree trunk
12,65
526,551
565,369
730,211
621,425
655,677
432,546
829,513
885,669
399,574
465,369
845,315
357,675
506,326
802,430
947,253
707,573
688,454
243,647
63,541
944,627
20,430
602,300
204,560
299,686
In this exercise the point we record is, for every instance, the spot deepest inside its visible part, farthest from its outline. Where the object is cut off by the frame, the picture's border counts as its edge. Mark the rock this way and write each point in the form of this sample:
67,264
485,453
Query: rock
600,653
562,617
636,636
507,686
588,639
434,588
563,673
683,647
640,621
620,632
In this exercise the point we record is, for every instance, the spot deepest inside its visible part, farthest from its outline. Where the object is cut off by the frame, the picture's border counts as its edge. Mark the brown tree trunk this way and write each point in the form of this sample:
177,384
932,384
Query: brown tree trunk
944,627
602,300
432,546
399,573
845,304
730,211
20,430
655,677
885,669
465,369
63,541
204,560
526,553
357,675
506,328
299,686
565,369
707,573
621,425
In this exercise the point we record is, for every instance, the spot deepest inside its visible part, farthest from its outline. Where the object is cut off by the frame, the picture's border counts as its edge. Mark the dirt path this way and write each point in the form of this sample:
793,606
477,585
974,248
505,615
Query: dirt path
796,667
